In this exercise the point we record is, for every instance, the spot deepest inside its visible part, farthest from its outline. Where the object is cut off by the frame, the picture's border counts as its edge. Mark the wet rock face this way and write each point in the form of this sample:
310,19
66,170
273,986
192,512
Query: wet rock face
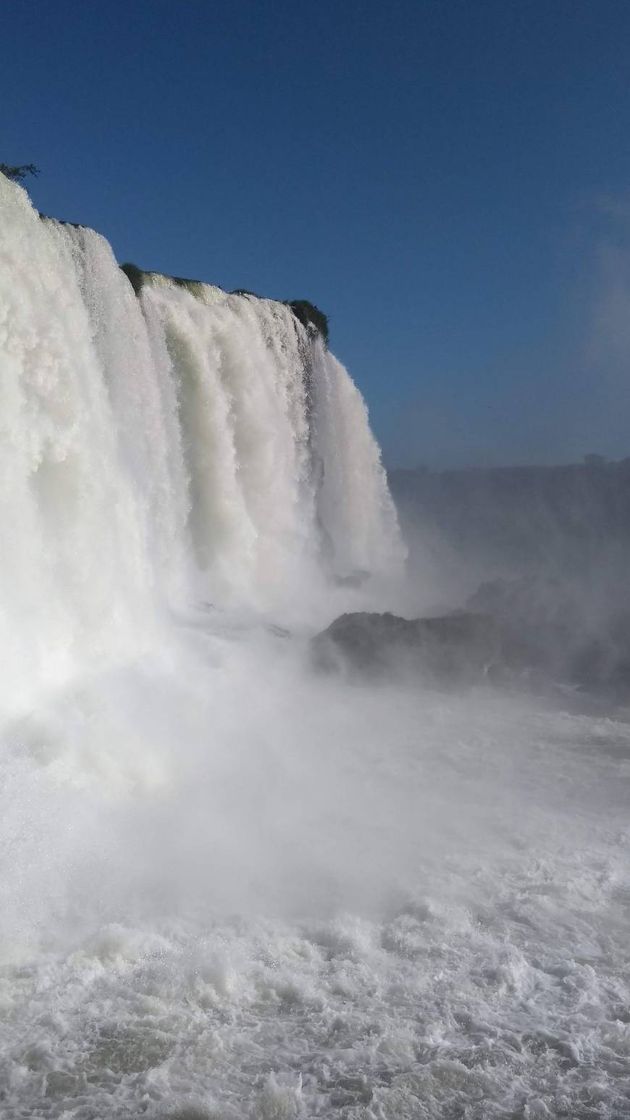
450,649
525,633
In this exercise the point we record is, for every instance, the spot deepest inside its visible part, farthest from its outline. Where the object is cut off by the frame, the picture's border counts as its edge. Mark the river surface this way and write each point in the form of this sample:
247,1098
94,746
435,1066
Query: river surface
233,889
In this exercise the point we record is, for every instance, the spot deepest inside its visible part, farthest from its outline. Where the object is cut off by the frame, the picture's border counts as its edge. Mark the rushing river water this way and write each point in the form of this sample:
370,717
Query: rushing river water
239,891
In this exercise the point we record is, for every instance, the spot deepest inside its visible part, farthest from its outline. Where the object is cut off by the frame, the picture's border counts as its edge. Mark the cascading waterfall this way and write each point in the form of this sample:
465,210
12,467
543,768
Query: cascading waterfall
182,443
231,886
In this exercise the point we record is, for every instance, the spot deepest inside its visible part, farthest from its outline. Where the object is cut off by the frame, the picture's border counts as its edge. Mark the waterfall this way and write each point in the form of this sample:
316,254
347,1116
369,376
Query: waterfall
232,886
177,444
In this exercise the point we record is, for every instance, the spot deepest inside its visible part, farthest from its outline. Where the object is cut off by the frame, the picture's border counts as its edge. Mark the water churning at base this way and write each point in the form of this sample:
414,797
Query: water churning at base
180,444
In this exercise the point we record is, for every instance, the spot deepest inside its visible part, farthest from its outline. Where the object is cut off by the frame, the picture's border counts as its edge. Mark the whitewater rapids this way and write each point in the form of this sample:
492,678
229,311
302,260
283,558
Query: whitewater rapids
230,888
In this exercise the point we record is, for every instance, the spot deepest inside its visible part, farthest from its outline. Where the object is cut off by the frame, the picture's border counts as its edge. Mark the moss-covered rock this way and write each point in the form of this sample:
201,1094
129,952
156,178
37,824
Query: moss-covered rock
134,275
310,316
138,276
192,286
305,312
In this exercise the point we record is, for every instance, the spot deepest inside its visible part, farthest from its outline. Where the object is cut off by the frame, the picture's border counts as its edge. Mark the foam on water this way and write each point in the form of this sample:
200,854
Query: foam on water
410,906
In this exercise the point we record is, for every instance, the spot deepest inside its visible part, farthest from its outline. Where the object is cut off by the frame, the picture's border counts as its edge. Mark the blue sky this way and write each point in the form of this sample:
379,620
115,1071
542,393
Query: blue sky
449,180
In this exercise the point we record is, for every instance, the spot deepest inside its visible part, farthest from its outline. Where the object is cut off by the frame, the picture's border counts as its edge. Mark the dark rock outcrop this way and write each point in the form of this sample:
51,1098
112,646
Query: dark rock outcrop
310,317
451,649
515,632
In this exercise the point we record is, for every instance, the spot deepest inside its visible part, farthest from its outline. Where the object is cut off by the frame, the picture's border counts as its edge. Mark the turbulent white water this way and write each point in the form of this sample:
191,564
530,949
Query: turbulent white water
186,444
230,888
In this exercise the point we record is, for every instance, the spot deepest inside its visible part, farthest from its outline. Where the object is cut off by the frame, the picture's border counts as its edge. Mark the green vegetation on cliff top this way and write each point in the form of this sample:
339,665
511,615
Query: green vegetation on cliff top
305,312
18,174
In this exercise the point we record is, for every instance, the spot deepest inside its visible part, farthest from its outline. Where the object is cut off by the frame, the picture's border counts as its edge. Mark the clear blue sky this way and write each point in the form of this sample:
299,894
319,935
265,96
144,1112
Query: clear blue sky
449,180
